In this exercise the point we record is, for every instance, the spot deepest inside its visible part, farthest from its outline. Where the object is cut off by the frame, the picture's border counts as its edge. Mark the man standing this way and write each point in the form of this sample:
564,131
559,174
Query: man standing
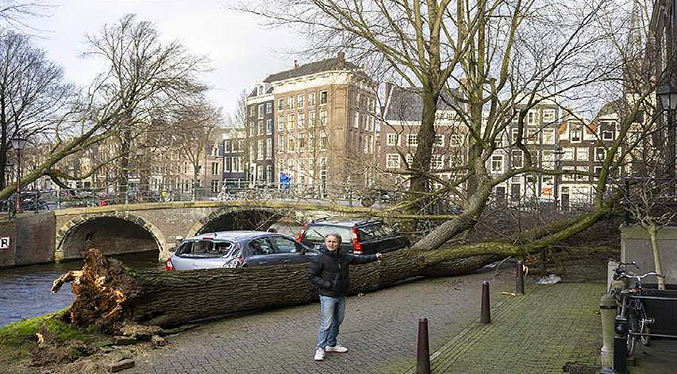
329,271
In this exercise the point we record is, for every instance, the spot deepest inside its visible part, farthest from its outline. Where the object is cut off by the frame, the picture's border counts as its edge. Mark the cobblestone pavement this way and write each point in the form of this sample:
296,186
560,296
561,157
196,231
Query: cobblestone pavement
537,333
379,329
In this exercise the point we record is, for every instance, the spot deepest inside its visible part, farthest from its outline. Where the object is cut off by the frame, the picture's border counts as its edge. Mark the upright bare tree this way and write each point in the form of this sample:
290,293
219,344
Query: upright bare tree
145,76
33,92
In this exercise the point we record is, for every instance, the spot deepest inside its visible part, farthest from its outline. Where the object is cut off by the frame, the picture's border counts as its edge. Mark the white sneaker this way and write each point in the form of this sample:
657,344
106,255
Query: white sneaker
338,348
319,354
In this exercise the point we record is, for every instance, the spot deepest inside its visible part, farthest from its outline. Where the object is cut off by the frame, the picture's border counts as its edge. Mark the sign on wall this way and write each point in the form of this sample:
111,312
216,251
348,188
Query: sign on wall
4,242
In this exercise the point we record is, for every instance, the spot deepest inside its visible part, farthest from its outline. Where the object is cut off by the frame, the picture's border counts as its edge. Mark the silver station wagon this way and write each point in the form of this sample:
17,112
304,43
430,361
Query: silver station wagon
231,249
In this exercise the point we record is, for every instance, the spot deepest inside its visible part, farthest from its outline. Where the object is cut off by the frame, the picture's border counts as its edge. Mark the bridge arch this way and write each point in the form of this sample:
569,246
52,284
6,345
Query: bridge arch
236,218
111,232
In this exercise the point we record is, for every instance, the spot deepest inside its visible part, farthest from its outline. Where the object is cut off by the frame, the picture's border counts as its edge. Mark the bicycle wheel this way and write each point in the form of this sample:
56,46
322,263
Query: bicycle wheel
643,322
633,326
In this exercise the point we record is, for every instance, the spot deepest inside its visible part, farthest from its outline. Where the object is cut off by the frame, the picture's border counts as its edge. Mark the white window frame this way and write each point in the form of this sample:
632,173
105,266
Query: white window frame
582,154
392,161
439,140
548,136
517,155
301,101
412,140
497,163
597,154
392,139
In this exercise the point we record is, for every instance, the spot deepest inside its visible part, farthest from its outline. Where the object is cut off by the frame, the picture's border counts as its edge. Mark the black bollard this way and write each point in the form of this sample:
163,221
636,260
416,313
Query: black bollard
519,278
620,347
486,308
423,354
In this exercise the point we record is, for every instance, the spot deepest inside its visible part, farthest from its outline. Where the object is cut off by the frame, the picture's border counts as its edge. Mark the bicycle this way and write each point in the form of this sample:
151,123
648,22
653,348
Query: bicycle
632,307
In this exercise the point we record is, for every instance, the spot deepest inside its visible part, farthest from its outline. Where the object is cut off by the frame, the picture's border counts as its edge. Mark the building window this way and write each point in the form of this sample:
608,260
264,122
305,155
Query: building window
582,154
226,165
280,143
323,140
569,173
262,128
260,150
517,159
280,104
269,173
600,154
302,142
269,126
497,163
392,161
455,140
409,158
311,119
290,102
549,115
437,162
515,133
302,120
215,187
598,171
531,117
532,136
311,141
280,123
392,139
412,139
252,112
576,134
290,121
548,136
323,97
323,117
568,154
356,120
548,159
291,144
607,135
301,101
269,108
269,148
311,99
261,110
439,140
215,168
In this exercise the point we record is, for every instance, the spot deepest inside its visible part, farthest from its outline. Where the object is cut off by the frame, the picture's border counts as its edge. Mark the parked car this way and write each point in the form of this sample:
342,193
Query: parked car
358,236
230,249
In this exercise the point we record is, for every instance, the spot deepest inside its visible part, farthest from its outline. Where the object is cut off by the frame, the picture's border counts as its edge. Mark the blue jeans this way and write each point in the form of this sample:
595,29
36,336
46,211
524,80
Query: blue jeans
332,310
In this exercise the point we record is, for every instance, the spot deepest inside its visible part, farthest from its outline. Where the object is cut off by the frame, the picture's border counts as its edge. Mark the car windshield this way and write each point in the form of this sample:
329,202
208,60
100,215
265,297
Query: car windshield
317,233
204,248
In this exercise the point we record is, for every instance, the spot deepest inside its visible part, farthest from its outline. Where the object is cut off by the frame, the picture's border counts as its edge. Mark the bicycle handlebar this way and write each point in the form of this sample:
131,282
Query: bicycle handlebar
639,277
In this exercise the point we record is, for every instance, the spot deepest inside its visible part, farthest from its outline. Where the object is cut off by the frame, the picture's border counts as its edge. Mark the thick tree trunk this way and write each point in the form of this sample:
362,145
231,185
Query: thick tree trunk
107,294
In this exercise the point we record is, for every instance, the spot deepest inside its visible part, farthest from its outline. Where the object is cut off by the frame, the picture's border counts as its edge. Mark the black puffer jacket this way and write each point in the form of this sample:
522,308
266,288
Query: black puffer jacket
329,270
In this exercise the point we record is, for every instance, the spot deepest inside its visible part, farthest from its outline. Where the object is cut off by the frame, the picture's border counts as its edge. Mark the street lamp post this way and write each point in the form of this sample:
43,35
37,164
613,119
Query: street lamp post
667,94
18,143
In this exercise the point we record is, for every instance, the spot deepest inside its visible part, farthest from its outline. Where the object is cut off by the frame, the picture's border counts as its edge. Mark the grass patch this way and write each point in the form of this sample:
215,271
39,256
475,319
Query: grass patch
18,339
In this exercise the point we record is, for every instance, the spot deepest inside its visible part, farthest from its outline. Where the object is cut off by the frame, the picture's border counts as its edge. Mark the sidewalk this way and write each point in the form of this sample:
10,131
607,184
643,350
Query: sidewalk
541,332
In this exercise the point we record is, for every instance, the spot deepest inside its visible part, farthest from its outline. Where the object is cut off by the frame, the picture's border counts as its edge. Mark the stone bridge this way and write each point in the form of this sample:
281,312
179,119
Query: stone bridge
117,229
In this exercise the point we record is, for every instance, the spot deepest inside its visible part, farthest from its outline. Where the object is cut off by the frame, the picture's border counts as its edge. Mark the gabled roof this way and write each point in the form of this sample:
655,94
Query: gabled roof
335,63
406,104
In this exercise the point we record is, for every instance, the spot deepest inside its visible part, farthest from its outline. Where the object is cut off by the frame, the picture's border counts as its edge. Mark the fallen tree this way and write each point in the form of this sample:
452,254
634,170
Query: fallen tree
107,293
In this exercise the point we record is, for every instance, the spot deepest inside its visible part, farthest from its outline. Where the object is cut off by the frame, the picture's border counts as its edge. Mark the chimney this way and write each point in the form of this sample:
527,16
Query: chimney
296,64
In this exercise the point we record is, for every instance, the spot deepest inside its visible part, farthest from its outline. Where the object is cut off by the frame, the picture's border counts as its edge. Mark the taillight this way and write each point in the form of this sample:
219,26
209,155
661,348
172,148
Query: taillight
168,265
357,246
301,233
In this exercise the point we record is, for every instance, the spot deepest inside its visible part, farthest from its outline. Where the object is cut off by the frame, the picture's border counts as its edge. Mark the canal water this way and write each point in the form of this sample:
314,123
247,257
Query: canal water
25,291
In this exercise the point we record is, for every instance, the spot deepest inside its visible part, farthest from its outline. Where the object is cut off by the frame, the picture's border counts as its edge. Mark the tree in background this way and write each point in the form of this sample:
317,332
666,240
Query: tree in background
145,78
33,93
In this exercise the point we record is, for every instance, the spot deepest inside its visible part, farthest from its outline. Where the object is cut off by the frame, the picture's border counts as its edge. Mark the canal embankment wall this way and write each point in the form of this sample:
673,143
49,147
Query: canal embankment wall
27,239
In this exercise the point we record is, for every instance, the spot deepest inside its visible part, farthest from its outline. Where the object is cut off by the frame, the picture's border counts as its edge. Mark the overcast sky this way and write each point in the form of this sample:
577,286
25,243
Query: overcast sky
242,53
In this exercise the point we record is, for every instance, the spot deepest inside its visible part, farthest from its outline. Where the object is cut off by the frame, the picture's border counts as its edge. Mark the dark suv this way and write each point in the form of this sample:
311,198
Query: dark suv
359,236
